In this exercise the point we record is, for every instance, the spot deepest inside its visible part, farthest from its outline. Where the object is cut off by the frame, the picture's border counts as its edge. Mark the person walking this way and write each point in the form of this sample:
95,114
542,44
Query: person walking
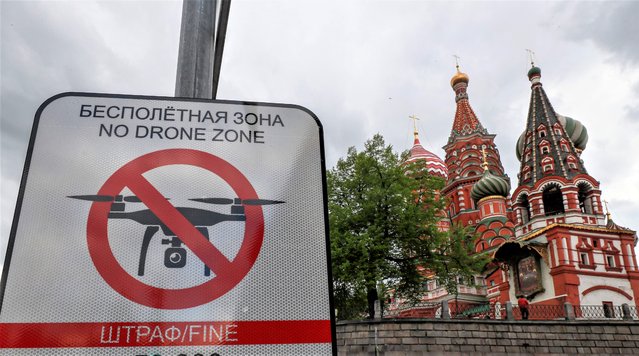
522,302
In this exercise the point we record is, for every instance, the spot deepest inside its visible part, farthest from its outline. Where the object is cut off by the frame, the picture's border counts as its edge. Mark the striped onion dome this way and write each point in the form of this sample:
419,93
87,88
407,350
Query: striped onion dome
488,185
575,130
434,165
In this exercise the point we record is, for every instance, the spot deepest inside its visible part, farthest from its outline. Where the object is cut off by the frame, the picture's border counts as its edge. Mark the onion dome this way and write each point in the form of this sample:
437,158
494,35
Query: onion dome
575,130
488,185
520,145
434,165
459,77
534,72
534,75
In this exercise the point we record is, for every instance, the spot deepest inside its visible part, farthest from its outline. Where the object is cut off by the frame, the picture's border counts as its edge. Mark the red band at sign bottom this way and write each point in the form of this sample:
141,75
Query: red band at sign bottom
139,334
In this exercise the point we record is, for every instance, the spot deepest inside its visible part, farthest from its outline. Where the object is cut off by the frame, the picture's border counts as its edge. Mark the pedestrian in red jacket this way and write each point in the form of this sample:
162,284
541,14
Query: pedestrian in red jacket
523,307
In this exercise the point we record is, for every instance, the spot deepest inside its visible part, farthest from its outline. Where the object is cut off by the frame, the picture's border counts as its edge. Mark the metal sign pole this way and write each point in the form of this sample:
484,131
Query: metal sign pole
195,57
225,7
201,48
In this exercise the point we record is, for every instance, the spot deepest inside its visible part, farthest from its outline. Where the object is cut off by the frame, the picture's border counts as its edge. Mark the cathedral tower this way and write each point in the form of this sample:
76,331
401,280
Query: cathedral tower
554,185
464,156
564,251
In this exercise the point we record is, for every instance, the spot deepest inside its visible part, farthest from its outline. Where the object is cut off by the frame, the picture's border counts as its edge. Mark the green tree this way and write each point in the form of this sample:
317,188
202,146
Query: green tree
382,225
383,216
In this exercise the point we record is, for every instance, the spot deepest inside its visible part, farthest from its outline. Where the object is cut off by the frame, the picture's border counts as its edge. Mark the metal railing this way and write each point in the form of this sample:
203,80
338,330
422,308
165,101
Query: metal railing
472,311
464,310
425,310
541,312
593,312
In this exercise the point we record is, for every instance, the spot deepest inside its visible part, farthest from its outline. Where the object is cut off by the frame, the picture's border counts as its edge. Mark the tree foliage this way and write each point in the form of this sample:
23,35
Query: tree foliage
455,263
383,216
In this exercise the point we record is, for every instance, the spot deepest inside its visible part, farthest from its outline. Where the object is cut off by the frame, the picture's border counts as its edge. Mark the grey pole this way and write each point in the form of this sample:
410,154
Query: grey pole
195,57
225,7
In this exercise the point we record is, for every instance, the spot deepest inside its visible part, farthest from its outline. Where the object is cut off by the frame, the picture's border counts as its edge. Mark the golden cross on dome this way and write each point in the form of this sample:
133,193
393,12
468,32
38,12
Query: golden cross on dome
532,56
414,118
607,211
456,61
485,164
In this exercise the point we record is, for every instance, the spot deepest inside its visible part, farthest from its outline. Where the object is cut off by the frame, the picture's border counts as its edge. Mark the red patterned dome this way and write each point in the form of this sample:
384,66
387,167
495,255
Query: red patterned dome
434,165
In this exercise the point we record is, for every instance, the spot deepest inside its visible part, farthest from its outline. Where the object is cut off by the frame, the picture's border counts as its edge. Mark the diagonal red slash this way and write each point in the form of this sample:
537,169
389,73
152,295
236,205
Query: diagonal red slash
228,273
181,226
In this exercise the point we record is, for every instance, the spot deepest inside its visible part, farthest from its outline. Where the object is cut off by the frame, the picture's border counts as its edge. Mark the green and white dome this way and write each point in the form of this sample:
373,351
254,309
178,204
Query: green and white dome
575,130
488,185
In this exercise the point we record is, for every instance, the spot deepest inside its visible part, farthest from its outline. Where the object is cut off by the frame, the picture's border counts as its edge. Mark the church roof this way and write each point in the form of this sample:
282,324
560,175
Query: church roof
468,138
610,224
434,165
466,122
546,147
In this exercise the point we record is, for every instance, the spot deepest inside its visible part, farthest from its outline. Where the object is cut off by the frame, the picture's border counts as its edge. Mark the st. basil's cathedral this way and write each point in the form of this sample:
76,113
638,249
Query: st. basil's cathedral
550,240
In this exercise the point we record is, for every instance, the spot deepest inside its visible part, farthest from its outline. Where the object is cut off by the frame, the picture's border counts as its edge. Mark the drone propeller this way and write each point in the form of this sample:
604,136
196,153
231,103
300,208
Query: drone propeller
227,201
261,202
220,201
107,198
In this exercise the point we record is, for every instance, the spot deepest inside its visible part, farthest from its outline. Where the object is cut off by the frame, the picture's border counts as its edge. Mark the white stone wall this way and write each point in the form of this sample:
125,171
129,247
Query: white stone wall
598,296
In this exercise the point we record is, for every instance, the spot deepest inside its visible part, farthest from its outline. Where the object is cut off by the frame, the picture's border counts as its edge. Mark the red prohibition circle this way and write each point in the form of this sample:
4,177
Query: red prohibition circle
227,273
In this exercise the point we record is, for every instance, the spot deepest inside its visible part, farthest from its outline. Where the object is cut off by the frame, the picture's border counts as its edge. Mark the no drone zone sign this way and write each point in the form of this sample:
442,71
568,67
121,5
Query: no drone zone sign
164,226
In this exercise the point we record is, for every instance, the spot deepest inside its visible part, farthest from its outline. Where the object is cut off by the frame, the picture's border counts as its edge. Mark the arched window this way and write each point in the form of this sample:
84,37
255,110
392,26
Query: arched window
553,200
525,208
541,130
572,162
544,147
585,200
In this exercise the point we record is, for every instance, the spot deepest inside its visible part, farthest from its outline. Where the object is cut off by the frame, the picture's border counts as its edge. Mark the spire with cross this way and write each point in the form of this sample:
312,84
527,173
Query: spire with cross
531,54
414,118
456,61
485,161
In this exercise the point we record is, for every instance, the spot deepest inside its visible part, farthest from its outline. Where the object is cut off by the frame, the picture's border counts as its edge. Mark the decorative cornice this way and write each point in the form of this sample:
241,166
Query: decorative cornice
573,227
490,197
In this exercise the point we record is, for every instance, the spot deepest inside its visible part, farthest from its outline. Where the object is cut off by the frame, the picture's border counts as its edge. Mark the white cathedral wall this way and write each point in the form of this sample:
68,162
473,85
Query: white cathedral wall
598,296
599,261
546,282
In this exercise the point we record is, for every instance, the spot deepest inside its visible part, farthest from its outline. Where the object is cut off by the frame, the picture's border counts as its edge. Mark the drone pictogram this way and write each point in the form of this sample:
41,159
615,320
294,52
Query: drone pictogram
175,255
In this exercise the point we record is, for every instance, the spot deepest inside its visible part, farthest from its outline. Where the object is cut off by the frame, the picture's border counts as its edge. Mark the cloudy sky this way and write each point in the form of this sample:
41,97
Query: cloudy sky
361,66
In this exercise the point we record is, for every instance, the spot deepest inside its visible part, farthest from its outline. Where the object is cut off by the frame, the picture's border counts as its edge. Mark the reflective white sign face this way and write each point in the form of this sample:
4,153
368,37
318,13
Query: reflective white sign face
163,226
